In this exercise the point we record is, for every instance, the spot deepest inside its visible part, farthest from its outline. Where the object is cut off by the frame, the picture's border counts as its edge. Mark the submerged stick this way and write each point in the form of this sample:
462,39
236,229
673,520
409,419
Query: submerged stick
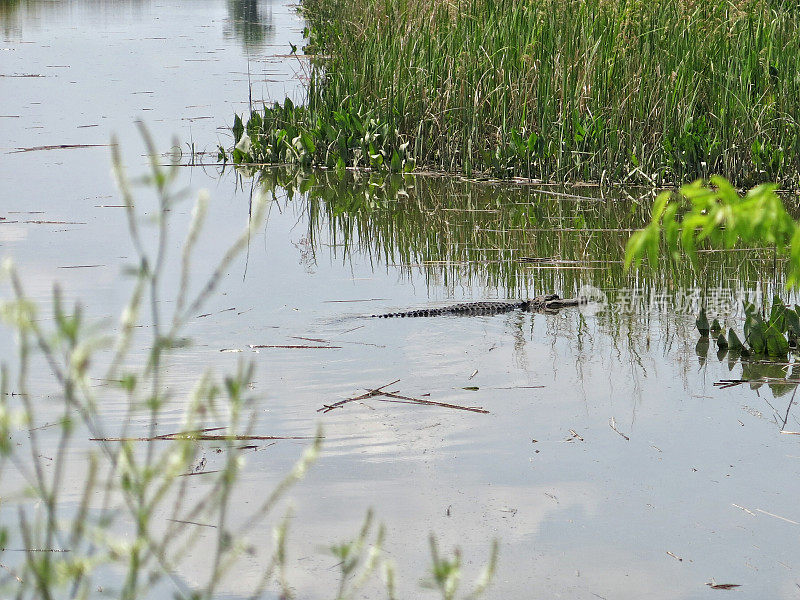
192,523
293,346
329,407
613,424
392,397
201,437
408,400
35,550
723,586
57,147
14,575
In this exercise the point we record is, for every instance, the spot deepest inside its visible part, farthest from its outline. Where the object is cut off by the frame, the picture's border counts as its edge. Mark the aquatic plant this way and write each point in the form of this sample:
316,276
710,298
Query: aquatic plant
771,335
446,573
622,90
289,134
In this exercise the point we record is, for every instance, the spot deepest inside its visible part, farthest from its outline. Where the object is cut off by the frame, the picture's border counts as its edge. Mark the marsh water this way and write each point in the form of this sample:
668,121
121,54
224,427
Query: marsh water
609,465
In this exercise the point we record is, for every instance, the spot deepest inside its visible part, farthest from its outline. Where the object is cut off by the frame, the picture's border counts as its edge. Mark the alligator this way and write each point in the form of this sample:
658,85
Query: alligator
549,303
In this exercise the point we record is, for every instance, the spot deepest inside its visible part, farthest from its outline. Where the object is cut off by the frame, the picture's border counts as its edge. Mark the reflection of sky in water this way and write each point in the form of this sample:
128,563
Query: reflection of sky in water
577,518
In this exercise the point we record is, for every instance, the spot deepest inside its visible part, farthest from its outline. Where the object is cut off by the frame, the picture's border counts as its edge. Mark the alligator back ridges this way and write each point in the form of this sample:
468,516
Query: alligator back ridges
466,308
549,303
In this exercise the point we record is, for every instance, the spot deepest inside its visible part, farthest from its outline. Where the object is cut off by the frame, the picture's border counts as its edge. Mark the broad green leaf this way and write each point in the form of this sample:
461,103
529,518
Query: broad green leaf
755,333
791,321
776,315
341,168
776,342
396,165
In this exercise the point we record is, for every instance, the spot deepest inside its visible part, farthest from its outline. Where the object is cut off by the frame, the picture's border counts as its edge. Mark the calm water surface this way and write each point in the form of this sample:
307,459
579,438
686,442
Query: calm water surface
651,507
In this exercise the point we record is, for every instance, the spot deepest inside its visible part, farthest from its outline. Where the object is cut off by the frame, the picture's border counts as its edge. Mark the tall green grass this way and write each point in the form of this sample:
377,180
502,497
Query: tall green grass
656,90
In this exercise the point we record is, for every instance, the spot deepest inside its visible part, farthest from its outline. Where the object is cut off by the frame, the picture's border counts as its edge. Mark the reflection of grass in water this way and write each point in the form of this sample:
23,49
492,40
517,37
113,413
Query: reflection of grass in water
468,234
250,22
8,11
13,12
517,240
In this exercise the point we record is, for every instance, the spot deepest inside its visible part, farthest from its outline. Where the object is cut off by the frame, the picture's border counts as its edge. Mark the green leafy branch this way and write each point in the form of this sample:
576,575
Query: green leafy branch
718,215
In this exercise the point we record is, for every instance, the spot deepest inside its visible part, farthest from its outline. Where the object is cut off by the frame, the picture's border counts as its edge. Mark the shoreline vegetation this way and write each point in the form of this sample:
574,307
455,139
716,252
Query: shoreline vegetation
657,93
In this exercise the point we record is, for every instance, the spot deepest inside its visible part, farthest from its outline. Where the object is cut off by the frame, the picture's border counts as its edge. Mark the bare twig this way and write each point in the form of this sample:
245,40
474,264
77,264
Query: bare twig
764,512
613,424
293,346
575,435
409,400
200,437
392,397
369,394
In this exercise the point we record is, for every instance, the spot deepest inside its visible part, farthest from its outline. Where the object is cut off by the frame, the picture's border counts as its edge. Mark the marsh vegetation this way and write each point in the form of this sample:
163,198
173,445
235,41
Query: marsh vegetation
564,90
